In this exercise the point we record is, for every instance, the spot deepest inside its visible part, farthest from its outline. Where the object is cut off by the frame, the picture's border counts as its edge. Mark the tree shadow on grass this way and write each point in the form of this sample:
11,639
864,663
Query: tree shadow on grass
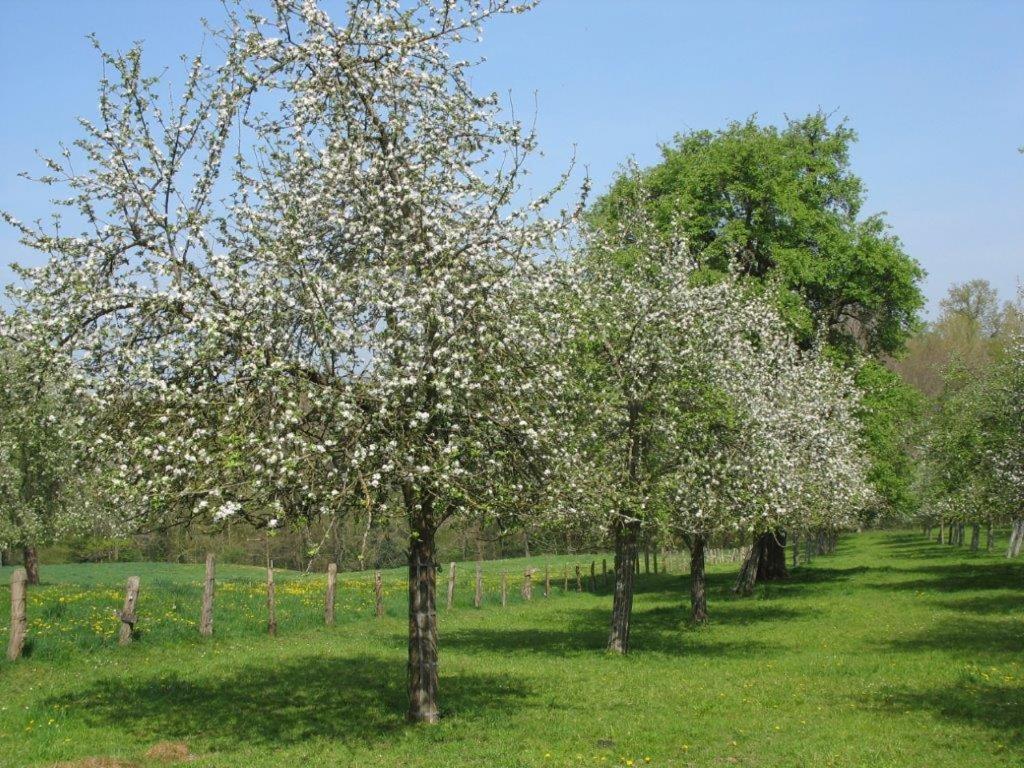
971,636
997,707
916,547
967,576
359,700
1007,604
664,629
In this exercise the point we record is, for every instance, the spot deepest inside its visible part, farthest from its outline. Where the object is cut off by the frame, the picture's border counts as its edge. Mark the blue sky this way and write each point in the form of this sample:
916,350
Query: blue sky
935,90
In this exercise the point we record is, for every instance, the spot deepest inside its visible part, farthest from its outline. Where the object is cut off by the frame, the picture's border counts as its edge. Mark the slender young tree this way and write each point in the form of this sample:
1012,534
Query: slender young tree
312,277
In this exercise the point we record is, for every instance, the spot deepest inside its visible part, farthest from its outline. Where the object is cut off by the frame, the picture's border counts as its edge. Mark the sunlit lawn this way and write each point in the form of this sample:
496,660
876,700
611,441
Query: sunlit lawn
893,652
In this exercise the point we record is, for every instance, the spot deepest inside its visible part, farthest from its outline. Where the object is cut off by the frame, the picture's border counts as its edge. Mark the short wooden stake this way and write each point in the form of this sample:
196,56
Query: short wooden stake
504,589
478,595
451,584
378,594
593,576
332,588
271,602
127,613
206,618
19,618
528,584
565,576
579,581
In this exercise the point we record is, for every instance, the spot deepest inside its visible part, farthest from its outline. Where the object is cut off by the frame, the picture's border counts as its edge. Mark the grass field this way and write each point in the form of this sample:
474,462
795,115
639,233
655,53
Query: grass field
892,652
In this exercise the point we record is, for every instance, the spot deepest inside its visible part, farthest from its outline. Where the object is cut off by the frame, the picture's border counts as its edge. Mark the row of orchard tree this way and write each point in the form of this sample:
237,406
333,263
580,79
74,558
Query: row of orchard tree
311,284
971,468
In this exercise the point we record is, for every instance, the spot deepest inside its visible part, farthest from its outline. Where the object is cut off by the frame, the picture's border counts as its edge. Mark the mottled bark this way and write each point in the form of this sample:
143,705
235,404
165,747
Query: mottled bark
975,537
423,702
772,565
626,535
31,559
747,577
19,617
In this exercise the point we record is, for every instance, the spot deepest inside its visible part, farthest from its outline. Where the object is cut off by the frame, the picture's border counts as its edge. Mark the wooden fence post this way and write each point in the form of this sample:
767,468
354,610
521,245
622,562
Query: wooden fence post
206,618
565,576
528,584
127,613
547,580
332,587
593,577
271,602
579,582
478,595
451,584
19,618
378,594
655,556
504,589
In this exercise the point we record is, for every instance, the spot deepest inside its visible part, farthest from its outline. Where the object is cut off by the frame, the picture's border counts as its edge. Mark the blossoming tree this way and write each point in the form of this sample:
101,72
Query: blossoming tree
308,279
697,411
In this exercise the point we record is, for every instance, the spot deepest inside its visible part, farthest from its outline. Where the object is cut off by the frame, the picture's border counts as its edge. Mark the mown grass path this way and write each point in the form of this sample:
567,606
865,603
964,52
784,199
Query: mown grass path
893,652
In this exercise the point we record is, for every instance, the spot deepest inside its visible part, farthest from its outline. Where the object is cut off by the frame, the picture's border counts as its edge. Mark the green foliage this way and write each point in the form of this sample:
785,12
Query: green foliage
783,206
892,411
891,630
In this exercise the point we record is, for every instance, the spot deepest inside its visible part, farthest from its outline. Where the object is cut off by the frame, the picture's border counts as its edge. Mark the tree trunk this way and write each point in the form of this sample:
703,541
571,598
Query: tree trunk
975,537
938,538
698,580
1016,537
988,536
31,558
422,624
626,535
772,565
748,571
949,534
19,617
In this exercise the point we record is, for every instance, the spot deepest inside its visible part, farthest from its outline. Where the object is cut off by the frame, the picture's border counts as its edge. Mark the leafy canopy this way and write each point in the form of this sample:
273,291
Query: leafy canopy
782,205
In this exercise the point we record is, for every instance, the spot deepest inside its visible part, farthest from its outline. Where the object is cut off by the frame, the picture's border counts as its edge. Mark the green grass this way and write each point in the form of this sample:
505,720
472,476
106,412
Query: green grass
892,652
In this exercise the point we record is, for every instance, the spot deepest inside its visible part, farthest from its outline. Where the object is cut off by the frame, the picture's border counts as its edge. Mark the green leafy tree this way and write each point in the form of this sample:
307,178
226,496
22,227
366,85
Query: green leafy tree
891,413
783,205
